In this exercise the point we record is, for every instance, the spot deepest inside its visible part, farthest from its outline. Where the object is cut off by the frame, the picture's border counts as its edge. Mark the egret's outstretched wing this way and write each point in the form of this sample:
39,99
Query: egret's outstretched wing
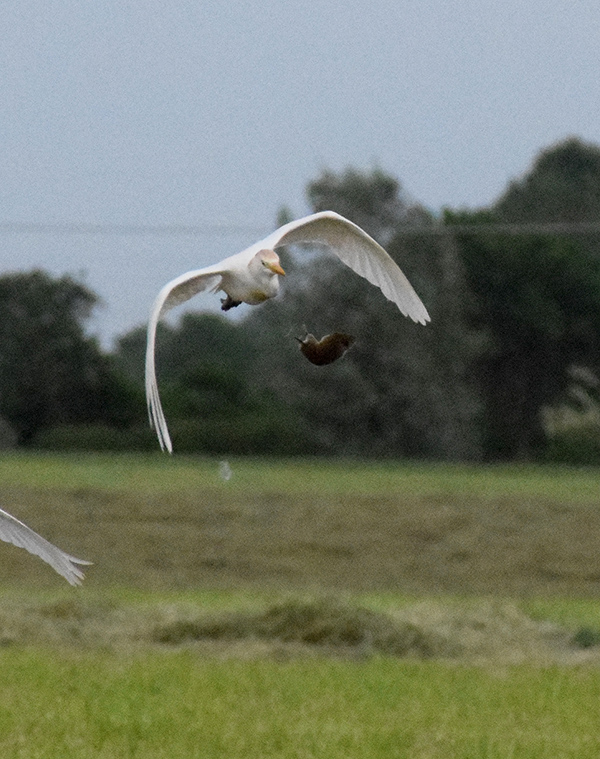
356,249
176,291
17,533
351,244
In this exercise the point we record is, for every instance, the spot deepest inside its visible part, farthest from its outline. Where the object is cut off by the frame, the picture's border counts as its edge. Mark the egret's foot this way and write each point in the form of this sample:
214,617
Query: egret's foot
228,302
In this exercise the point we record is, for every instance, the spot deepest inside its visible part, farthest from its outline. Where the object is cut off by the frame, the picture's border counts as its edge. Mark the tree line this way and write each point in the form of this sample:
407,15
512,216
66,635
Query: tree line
506,370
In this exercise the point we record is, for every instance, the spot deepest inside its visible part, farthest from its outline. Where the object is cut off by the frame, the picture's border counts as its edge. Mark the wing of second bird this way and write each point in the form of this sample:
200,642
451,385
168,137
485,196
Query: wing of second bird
16,532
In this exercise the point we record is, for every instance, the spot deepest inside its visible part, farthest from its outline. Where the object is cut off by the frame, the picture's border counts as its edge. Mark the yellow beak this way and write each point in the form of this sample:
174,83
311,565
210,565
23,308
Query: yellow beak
276,269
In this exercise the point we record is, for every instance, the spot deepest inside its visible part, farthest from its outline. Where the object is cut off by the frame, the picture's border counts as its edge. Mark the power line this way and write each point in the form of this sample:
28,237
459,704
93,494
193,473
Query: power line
223,229
167,230
526,228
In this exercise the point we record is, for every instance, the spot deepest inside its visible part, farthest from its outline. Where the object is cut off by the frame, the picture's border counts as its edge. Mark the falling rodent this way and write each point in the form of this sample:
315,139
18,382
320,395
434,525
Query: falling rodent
326,350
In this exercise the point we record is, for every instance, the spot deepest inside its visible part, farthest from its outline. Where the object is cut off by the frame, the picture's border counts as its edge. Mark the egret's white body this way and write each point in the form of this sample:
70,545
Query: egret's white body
15,532
252,276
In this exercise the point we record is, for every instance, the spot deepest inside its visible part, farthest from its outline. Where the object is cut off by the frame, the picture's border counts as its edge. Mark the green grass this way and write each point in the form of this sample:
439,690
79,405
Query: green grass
167,534
160,473
179,705
570,612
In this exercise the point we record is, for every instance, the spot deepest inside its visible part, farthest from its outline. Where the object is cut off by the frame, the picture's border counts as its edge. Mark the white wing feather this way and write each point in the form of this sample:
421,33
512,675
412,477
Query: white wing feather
358,250
15,532
176,291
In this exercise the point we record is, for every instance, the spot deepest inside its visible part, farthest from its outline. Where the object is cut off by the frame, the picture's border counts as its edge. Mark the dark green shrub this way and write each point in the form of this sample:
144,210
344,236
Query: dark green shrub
586,637
579,445
95,437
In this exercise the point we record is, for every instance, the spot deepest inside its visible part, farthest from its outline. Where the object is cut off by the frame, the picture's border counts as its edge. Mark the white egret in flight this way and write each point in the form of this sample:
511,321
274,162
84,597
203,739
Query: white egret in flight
15,532
252,276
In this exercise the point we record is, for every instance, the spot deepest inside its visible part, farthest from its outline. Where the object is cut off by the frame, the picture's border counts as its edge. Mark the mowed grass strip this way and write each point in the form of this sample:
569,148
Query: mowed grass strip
169,523
178,705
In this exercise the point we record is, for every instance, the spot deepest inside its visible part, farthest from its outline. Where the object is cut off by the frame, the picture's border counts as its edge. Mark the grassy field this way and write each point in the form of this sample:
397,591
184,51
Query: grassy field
301,609
180,705
167,523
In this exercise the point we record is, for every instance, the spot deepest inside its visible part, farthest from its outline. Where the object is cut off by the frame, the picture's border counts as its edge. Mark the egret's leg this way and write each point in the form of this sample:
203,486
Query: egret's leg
228,302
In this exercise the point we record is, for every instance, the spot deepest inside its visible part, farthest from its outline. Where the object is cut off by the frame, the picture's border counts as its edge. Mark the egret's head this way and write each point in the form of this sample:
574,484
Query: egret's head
269,261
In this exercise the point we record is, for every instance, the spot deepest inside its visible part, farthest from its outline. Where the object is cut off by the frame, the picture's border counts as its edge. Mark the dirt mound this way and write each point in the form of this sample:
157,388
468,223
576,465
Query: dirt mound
475,630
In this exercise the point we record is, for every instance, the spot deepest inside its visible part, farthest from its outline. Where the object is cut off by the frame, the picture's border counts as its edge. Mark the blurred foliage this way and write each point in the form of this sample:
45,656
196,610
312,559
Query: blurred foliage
536,297
402,390
512,314
213,400
51,372
562,186
95,437
578,445
573,426
374,200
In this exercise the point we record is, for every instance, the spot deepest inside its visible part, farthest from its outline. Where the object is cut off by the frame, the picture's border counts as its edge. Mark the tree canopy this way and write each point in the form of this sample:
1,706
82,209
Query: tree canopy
51,372
515,318
390,395
536,297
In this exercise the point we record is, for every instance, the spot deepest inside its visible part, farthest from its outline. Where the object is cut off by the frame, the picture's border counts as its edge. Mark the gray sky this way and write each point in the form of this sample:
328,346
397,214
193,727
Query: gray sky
200,113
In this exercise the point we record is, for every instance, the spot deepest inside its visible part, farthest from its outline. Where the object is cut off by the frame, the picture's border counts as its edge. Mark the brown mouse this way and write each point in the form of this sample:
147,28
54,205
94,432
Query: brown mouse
326,350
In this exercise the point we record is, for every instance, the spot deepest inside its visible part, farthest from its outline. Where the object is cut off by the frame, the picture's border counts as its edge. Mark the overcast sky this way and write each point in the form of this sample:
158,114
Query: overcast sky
199,113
